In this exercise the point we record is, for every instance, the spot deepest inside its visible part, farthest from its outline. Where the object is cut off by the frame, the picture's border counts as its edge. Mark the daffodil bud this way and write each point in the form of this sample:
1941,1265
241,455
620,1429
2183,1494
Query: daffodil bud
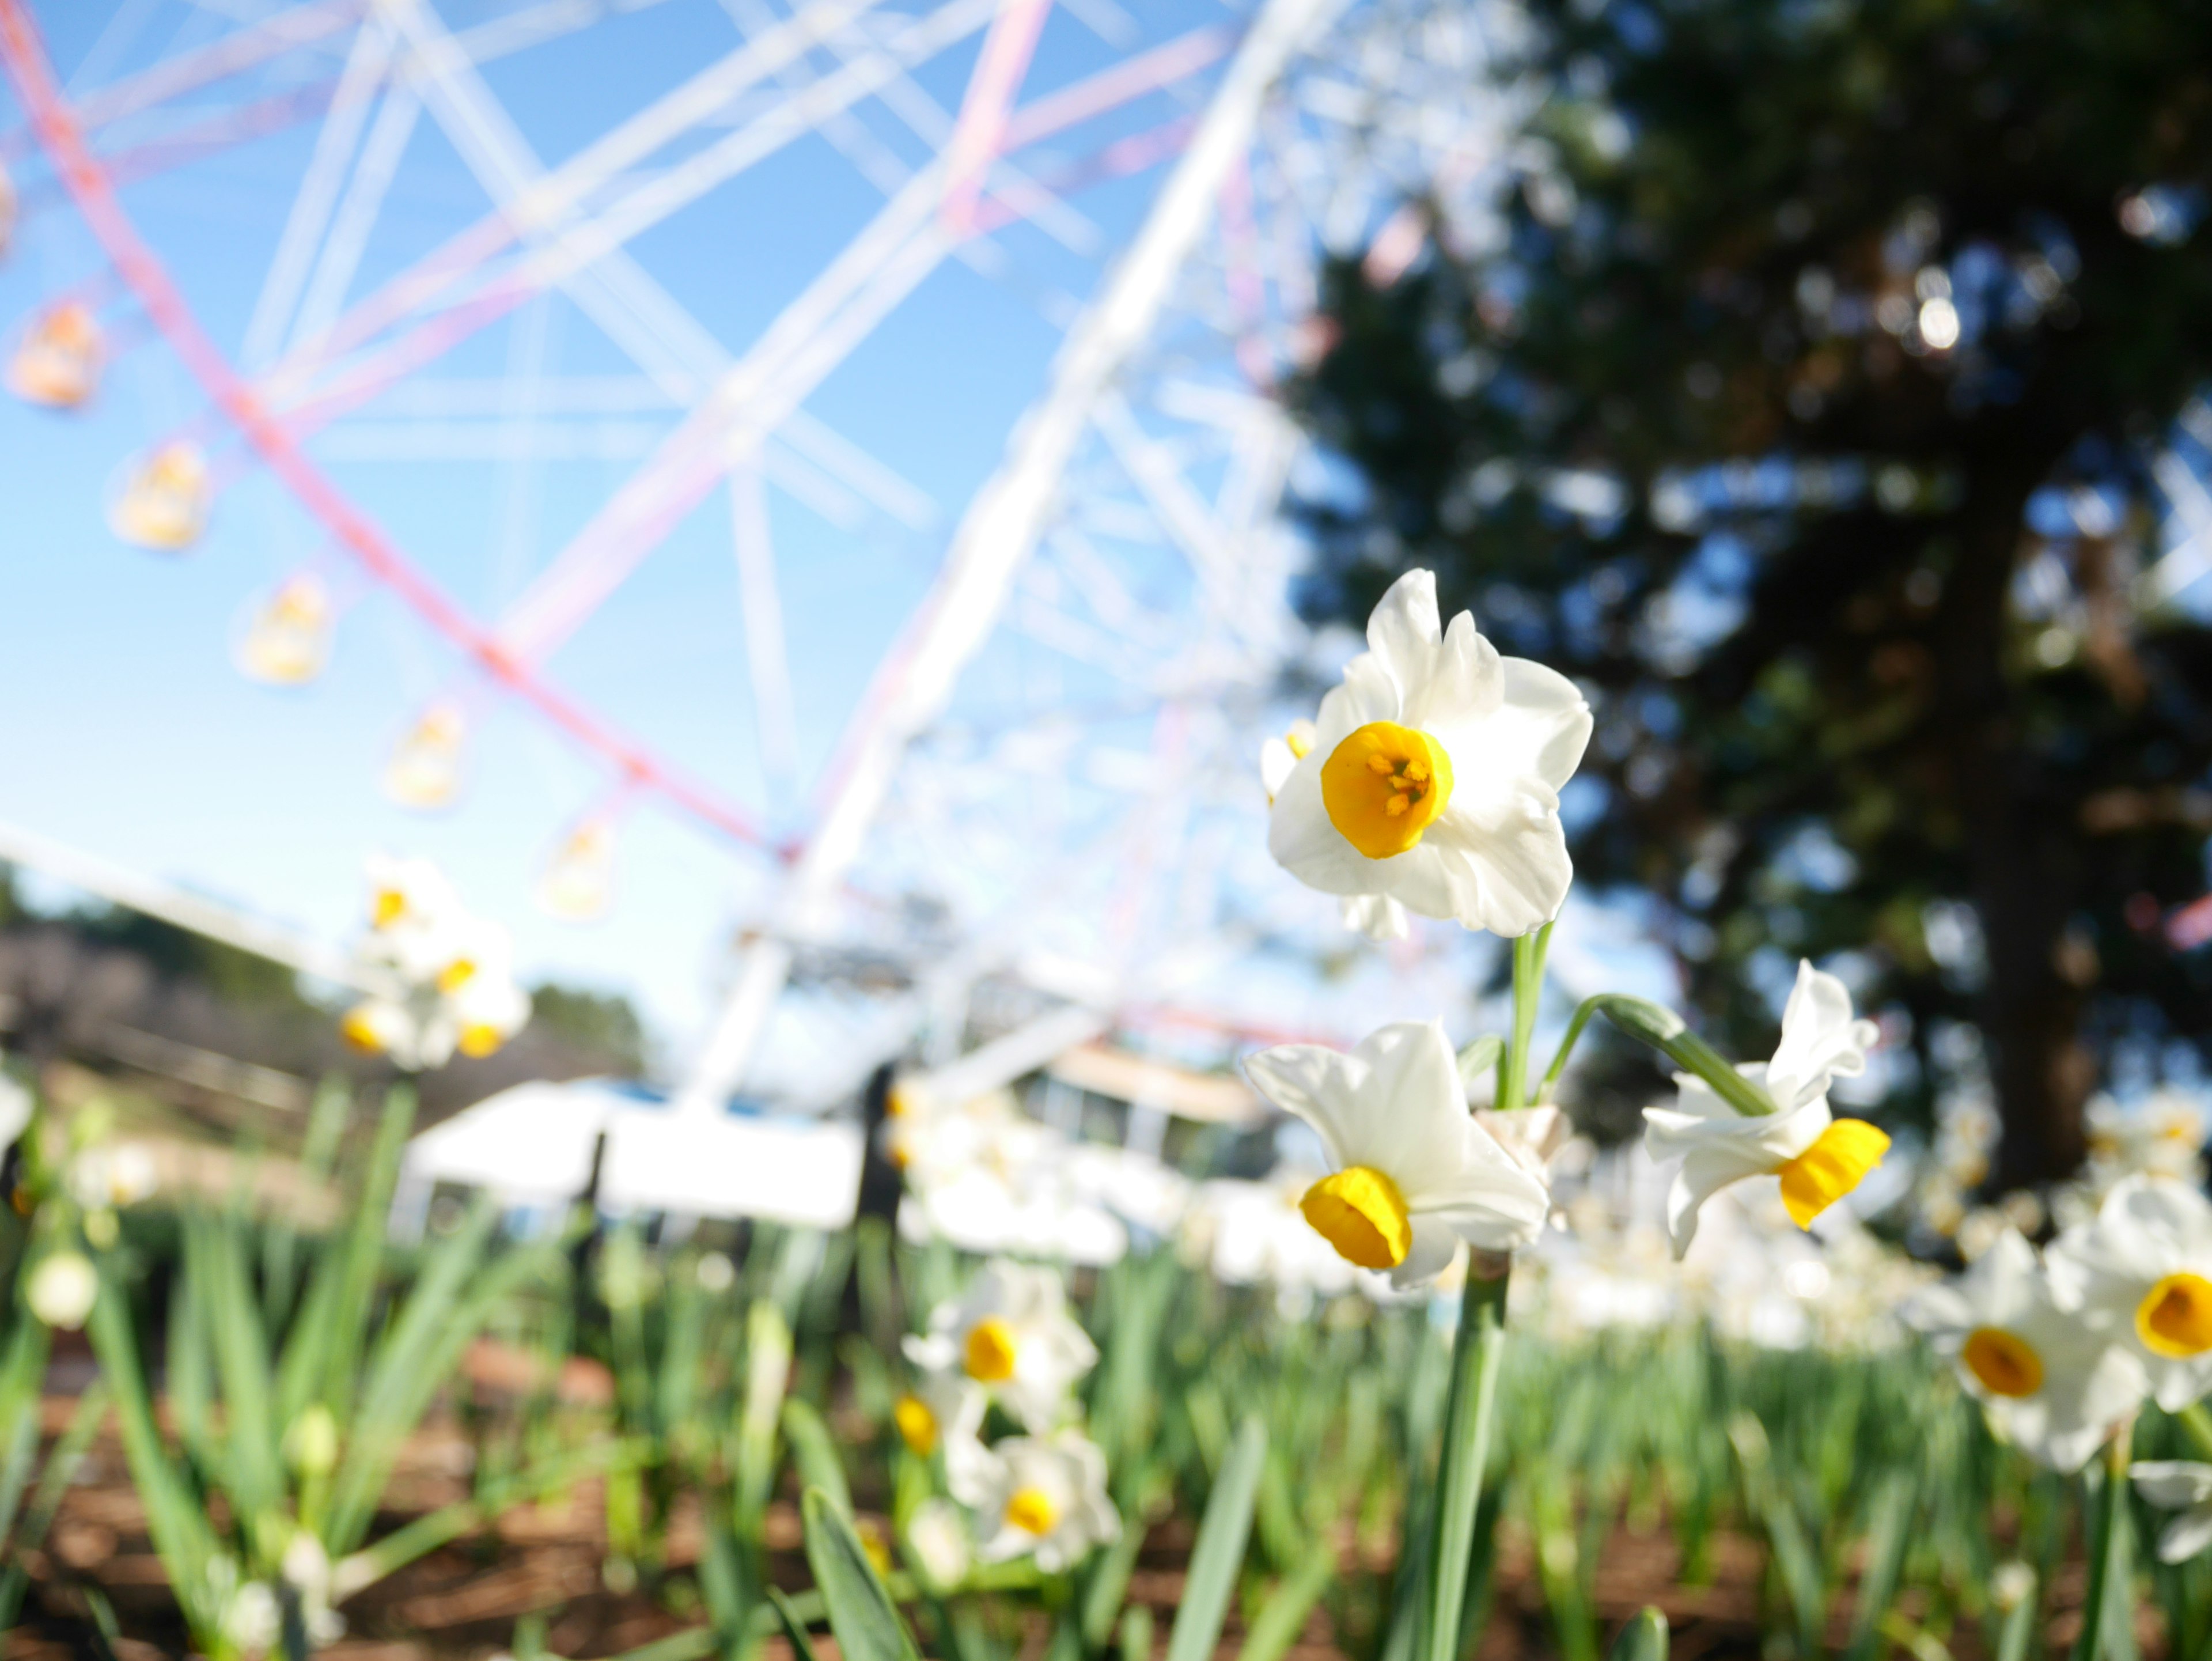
63,1289
312,1443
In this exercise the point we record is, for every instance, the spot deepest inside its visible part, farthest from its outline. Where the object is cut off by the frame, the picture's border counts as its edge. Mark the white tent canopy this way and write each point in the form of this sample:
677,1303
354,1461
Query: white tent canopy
531,1147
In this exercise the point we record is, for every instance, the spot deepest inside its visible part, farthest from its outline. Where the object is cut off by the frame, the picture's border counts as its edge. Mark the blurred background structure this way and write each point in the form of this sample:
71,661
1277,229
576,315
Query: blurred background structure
821,505
917,735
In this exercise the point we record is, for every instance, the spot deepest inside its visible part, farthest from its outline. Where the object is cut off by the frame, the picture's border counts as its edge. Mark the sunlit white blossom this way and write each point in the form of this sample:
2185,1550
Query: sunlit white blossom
1414,1174
1434,775
1819,1158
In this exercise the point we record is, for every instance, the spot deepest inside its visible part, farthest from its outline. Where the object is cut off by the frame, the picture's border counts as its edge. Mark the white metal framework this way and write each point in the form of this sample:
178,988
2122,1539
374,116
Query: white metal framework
1047,782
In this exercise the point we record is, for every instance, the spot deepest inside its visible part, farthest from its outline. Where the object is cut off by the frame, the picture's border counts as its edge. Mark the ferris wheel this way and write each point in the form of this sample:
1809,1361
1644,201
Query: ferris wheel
630,270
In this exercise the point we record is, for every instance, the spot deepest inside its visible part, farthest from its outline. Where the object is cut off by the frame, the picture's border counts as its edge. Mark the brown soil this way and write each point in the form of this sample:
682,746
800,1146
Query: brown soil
461,1603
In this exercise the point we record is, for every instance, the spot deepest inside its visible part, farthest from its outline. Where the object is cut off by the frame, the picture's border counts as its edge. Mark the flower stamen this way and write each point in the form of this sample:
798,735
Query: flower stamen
1385,785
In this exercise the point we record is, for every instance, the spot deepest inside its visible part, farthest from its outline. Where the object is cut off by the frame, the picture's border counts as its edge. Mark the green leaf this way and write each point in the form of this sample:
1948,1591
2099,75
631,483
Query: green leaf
859,1605
1219,1552
1885,1556
179,1525
1478,1058
346,1329
794,1627
815,1451
1643,1638
61,1470
1283,1616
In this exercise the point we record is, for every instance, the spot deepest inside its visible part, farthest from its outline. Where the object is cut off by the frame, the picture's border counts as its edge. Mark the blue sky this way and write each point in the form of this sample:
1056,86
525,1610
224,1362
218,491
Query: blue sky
133,738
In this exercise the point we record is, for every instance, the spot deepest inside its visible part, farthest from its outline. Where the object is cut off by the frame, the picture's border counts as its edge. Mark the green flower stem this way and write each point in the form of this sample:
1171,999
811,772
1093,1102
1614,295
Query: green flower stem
2198,1423
1527,992
2108,1545
1664,1030
1476,1354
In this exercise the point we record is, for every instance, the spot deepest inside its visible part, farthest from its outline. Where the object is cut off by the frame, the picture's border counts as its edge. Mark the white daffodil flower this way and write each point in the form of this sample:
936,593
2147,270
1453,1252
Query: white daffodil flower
63,1289
2181,1485
938,1544
1413,1174
15,1106
1435,773
1045,1496
2053,1382
1011,1334
2144,1267
943,1413
1819,1157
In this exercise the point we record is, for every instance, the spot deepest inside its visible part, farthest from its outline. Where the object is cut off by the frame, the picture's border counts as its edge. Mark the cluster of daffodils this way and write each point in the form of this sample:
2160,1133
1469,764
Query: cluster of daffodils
1428,783
1007,1351
983,1175
2162,1136
2061,1347
444,978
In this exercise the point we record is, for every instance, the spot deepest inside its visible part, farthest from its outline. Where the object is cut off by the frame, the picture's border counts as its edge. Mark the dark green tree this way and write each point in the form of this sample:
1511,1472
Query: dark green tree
1809,409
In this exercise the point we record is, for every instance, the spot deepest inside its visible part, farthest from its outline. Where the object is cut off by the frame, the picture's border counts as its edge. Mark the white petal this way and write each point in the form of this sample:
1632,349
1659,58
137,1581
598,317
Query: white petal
2185,1536
1276,765
1462,683
1367,693
1550,710
1505,863
1821,1041
1496,1202
1376,915
1316,1083
1307,845
1410,1117
1769,1140
1429,1255
2171,1484
1404,631
2175,1383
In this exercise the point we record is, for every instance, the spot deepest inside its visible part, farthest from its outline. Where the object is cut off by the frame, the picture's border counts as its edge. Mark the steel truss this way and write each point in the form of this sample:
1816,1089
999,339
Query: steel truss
1049,782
